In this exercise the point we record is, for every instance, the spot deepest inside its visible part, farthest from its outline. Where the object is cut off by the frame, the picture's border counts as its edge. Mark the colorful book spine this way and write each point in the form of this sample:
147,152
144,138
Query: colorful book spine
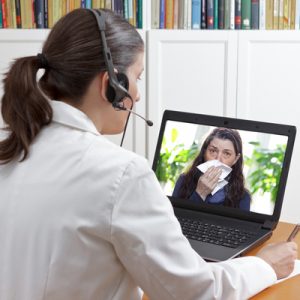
88,4
280,13
46,13
139,14
297,18
254,14
262,14
286,17
196,14
203,14
246,14
155,14
221,14
216,17
227,14
292,14
39,12
210,14
180,14
189,14
232,14
269,14
162,14
18,14
4,14
1,23
169,14
238,14
176,14
276,15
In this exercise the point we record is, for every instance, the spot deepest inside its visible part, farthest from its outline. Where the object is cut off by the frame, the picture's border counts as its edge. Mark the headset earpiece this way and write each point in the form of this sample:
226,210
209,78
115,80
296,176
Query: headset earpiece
115,94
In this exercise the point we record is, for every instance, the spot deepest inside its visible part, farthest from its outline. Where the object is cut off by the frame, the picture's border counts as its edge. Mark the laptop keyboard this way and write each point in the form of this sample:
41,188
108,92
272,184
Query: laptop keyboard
214,234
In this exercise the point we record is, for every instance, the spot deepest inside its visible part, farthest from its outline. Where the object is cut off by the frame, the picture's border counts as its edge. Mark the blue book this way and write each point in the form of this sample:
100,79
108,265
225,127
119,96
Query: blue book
196,14
254,14
82,3
88,3
210,14
1,24
162,14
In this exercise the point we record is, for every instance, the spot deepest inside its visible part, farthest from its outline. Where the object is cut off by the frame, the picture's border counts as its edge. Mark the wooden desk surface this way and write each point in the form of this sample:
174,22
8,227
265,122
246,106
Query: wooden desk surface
289,289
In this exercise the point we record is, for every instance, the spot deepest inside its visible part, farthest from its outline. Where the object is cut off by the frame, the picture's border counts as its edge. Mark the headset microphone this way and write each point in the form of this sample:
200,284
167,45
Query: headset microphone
118,106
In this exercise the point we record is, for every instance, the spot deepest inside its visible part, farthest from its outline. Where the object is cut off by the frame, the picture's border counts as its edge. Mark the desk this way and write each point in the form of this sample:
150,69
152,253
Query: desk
289,289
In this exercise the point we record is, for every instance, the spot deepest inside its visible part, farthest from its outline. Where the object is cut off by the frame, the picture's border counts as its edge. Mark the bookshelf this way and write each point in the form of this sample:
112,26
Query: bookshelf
248,74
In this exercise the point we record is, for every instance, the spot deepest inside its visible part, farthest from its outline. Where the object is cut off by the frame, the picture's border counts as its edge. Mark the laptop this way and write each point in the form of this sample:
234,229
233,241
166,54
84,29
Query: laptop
246,208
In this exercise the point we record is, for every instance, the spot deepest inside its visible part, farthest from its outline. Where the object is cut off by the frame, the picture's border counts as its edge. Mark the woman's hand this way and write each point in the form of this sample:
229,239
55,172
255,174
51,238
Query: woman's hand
208,181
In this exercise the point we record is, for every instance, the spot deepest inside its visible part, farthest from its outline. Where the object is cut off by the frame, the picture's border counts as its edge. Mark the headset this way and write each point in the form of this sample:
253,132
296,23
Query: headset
118,85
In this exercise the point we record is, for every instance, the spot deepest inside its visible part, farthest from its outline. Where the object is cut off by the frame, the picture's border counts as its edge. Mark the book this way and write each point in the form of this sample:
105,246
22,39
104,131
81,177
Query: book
169,14
286,17
262,14
254,14
4,14
176,14
292,14
246,14
227,14
221,11
297,17
180,14
210,14
280,14
238,14
276,15
196,14
39,12
203,14
269,14
216,17
189,14
46,13
232,14
18,14
139,13
1,24
162,14
155,14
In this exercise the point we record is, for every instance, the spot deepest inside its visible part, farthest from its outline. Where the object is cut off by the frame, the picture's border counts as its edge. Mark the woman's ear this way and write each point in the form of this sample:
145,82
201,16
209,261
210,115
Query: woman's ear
104,82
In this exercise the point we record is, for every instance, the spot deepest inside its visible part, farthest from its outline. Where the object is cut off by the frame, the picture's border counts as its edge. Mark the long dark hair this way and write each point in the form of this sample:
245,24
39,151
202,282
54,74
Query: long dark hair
72,57
236,182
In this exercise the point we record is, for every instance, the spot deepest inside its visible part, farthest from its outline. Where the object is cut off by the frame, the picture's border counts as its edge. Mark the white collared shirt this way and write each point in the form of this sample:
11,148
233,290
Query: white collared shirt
82,218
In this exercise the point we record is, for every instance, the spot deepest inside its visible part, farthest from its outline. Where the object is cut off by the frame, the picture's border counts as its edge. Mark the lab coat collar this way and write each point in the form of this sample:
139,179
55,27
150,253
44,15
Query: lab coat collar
68,115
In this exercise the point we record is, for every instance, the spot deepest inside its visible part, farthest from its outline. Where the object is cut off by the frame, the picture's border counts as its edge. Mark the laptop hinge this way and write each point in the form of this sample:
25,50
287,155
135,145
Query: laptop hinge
268,224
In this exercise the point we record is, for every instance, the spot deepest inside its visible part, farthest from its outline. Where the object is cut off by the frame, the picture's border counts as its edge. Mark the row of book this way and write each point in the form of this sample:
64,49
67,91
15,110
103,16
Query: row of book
44,13
225,14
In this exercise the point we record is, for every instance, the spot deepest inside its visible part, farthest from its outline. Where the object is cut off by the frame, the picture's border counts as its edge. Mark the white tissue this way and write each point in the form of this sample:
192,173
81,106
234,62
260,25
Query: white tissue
225,171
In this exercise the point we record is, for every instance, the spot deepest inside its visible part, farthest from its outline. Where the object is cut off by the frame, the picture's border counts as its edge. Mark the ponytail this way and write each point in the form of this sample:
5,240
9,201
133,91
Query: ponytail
25,110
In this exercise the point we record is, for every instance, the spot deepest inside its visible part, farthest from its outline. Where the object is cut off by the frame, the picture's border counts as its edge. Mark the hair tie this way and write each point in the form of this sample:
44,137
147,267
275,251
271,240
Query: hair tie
43,62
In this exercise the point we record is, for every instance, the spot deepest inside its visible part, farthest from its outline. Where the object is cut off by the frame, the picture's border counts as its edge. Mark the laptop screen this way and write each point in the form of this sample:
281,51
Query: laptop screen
222,162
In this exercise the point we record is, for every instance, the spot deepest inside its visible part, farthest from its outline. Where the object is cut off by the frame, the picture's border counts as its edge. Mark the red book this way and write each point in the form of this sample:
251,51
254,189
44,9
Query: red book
4,14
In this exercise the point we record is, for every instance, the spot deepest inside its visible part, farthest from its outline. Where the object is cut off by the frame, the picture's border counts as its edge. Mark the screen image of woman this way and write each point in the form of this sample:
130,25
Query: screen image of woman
222,148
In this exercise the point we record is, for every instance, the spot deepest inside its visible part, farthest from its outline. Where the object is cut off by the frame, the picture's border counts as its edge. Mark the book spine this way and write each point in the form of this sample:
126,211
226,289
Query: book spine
262,14
39,13
88,4
292,14
176,15
46,13
18,14
232,14
189,14
227,14
4,14
185,11
130,13
286,8
216,16
210,14
1,23
169,14
254,14
280,14
13,14
139,14
221,14
196,14
126,13
297,18
276,15
180,14
203,14
238,14
246,14
162,14
269,14
155,14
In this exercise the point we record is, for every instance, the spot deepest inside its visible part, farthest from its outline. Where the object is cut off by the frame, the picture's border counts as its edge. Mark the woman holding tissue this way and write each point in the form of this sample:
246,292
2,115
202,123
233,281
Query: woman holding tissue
216,175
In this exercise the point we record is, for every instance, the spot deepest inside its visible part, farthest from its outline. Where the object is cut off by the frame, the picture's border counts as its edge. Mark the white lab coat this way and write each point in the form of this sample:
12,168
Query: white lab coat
82,218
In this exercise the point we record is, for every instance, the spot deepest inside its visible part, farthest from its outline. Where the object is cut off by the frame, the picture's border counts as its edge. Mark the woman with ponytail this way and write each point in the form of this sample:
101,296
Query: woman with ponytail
81,218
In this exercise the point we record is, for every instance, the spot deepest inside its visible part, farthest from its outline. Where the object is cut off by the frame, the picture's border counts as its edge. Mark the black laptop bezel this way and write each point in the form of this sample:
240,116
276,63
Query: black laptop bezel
239,124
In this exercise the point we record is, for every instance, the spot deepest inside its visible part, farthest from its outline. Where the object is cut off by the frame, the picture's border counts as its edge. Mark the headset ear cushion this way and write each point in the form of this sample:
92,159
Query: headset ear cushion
111,92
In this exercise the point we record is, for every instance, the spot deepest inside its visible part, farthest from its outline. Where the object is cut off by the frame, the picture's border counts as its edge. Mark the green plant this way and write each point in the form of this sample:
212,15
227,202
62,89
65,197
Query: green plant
267,165
173,159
